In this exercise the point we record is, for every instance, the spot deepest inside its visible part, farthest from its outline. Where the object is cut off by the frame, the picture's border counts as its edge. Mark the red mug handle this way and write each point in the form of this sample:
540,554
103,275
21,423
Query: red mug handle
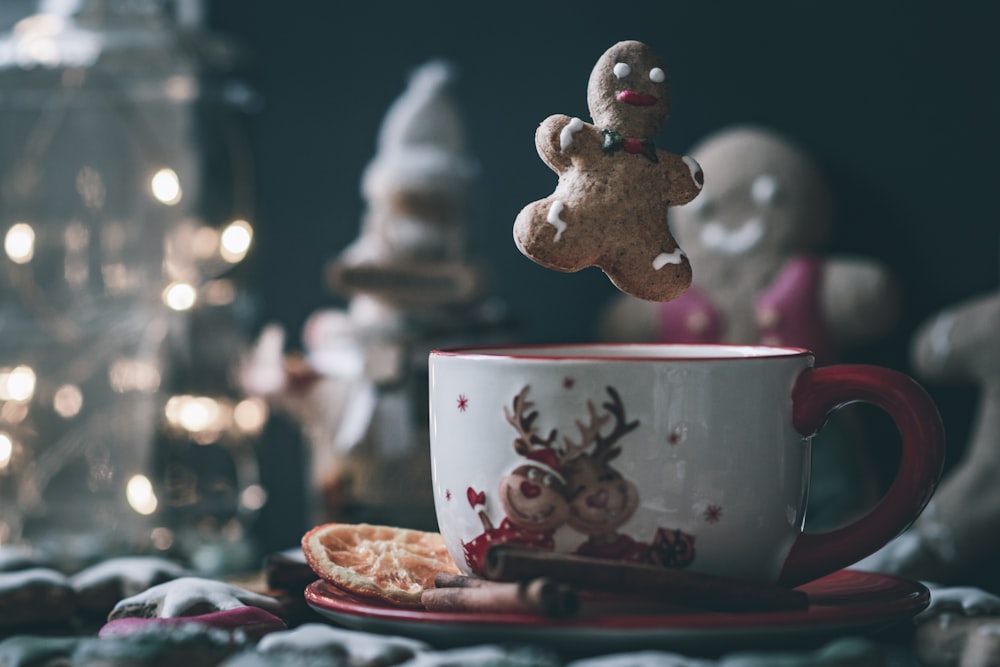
820,391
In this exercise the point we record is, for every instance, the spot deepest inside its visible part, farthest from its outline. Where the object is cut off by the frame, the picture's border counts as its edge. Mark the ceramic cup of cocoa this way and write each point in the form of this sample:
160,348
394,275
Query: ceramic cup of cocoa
692,457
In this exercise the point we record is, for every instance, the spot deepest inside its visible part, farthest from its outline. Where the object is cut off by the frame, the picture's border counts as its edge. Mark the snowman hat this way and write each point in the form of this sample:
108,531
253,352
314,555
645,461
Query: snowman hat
421,144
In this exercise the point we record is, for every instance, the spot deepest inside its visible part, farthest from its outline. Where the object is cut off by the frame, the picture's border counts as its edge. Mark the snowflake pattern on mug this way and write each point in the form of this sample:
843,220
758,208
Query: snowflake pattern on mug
712,514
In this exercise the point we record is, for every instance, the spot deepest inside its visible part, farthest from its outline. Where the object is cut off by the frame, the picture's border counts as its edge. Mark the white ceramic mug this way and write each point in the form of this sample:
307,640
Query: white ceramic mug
683,456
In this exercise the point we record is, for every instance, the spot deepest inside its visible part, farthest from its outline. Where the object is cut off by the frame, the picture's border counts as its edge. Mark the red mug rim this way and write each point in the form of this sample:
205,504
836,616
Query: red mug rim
619,352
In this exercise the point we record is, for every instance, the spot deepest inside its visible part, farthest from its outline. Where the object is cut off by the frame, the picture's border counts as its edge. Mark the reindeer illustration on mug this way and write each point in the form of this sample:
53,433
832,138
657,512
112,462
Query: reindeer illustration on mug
533,495
573,486
602,500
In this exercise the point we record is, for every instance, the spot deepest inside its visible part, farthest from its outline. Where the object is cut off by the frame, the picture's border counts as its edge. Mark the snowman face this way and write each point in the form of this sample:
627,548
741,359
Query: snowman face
629,91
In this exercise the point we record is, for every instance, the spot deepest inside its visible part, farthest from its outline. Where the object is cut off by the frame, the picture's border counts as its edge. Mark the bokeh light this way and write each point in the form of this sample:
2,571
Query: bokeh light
17,384
139,492
235,241
6,450
180,296
166,187
19,243
67,401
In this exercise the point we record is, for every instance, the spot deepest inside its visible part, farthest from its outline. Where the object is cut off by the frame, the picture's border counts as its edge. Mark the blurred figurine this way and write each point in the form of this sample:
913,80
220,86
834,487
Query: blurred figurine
359,389
961,626
754,237
956,541
412,247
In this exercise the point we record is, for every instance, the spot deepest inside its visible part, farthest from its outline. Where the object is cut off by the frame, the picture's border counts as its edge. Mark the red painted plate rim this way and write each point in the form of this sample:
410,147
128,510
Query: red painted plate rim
847,597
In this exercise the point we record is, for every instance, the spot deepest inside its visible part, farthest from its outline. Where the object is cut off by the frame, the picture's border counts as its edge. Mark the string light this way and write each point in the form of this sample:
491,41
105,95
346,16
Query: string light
198,414
6,450
250,415
99,247
67,401
162,538
166,187
253,497
235,241
125,375
19,243
140,496
17,384
180,296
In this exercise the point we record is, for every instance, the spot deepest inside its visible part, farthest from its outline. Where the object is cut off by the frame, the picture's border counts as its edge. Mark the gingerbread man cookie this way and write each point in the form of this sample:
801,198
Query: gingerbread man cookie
37,596
609,208
961,626
100,586
198,601
189,596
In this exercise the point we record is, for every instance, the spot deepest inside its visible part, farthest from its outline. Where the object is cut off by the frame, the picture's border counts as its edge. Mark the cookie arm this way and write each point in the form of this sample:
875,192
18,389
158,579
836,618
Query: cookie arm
685,178
560,137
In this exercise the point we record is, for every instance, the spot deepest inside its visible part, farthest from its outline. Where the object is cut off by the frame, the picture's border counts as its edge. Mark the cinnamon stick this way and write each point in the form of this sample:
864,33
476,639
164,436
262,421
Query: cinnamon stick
466,594
688,589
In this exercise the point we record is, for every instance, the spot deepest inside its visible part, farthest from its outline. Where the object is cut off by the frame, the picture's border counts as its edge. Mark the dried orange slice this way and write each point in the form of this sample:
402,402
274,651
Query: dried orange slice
391,564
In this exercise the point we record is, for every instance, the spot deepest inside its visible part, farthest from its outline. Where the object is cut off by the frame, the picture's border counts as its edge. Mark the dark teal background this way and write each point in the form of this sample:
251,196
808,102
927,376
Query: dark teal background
898,100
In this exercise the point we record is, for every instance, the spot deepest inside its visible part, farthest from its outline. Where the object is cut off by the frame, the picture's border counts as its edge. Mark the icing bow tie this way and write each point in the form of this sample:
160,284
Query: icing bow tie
614,142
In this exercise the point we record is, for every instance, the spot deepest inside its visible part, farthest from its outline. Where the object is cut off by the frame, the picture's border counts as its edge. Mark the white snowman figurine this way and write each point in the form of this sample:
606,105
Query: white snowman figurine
357,387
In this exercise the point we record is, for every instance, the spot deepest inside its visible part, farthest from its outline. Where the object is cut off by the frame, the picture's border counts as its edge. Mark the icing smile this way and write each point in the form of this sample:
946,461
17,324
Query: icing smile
636,99
716,236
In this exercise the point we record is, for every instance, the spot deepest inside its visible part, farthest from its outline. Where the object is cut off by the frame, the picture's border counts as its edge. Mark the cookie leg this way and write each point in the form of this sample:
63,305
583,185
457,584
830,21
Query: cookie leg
550,233
650,267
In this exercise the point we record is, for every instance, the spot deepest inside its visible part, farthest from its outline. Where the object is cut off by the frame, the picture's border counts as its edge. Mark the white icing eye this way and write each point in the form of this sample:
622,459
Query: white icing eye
532,473
622,70
763,189
548,480
657,75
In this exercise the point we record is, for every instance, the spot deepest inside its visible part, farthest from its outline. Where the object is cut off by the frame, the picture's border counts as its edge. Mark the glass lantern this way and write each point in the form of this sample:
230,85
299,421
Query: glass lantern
102,108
